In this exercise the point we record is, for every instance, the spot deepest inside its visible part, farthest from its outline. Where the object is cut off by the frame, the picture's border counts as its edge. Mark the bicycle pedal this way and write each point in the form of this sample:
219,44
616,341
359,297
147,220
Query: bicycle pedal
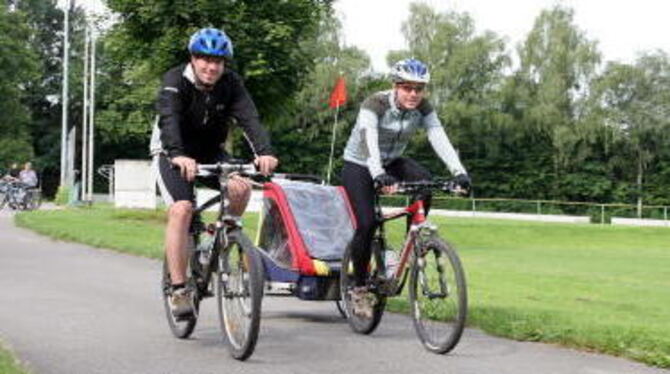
387,286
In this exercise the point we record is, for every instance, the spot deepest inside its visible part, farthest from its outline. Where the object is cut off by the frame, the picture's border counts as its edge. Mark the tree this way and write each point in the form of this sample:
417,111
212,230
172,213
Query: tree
151,36
308,121
557,65
18,68
634,103
42,98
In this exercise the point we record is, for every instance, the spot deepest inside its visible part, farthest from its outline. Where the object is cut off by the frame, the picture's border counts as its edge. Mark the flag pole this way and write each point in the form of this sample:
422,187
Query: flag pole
332,146
337,98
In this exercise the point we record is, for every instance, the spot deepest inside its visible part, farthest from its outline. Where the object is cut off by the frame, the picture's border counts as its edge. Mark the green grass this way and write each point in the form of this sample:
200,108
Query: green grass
598,288
9,364
601,288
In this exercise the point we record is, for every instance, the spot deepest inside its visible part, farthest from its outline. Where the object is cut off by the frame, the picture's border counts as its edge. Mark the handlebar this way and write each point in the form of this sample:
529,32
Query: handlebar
208,170
448,186
250,170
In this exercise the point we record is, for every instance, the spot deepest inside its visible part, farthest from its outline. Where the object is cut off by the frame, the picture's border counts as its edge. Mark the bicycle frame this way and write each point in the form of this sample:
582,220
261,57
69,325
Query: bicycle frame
418,226
428,263
223,222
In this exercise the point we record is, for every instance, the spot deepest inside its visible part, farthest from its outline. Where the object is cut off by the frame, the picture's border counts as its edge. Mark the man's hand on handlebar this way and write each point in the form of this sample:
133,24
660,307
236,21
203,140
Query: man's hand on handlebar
266,164
463,184
386,183
187,167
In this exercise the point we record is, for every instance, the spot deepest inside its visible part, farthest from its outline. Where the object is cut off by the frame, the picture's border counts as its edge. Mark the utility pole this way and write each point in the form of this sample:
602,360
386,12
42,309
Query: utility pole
84,132
64,97
91,122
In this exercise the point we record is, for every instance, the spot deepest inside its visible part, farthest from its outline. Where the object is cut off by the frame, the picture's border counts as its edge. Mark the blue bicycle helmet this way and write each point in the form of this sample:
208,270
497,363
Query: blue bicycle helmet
211,42
410,70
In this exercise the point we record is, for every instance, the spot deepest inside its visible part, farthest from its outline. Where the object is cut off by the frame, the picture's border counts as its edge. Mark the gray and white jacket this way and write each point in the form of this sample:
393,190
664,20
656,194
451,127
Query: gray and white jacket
383,130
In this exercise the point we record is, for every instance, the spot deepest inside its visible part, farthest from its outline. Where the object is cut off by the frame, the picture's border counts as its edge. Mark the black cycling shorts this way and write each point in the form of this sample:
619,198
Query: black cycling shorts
172,186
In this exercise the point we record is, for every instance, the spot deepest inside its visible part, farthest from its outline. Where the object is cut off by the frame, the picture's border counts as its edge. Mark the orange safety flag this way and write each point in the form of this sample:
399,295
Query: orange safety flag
339,95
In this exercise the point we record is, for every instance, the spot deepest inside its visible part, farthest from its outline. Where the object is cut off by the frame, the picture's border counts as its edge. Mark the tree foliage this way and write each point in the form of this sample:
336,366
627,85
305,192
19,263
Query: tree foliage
43,90
269,39
309,121
633,103
18,68
550,123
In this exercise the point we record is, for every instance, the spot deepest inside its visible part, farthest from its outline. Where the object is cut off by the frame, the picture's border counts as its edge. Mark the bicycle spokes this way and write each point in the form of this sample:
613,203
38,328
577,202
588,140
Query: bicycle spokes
437,296
235,291
239,290
439,287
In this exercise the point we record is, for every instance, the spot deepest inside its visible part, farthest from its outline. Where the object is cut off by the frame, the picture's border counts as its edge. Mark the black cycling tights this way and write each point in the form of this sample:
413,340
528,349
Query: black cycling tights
358,182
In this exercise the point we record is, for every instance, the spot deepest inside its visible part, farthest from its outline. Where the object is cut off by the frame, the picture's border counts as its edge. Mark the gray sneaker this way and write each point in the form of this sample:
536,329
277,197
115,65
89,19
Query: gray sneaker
363,302
181,303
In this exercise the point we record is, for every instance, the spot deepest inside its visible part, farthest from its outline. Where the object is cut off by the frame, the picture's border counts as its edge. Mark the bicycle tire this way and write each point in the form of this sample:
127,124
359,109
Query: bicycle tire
427,305
360,324
27,203
239,300
341,308
181,329
34,201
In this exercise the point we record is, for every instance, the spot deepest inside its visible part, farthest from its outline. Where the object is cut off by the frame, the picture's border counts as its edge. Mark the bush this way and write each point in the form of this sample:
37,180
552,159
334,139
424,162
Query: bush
62,195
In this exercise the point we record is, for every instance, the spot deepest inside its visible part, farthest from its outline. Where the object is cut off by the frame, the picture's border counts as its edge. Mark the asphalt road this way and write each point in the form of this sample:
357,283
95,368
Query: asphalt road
67,308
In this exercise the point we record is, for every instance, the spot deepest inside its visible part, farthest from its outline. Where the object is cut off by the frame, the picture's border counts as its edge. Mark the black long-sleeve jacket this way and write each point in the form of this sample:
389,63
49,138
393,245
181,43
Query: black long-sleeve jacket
194,123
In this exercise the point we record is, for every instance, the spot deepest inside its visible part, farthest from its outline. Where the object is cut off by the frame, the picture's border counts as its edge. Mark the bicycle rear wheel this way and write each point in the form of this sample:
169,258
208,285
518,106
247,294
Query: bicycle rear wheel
358,323
239,293
438,296
4,190
33,199
181,328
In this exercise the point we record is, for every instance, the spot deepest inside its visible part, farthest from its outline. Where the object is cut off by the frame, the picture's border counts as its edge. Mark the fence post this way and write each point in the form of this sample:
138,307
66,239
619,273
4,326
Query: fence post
474,208
539,208
665,215
602,214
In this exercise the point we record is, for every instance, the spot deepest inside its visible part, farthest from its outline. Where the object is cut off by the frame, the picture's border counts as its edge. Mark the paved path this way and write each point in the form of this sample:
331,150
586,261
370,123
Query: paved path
67,308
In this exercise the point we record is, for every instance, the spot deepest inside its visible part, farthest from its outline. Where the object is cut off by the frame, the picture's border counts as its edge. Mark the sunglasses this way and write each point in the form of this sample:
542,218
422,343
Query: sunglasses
419,88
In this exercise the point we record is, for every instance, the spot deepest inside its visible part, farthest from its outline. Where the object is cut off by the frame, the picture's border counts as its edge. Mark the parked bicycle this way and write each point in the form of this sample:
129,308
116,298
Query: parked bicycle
437,289
4,186
17,196
222,262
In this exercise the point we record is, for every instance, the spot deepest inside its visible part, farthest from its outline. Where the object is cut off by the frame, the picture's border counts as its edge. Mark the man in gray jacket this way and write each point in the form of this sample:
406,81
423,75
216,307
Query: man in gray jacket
372,157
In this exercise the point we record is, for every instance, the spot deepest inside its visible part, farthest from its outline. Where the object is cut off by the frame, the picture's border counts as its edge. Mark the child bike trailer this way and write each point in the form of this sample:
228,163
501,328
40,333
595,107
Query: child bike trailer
304,230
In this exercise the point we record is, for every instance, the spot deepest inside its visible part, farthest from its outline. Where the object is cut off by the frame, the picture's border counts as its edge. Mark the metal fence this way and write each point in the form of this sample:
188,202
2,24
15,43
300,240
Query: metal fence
597,212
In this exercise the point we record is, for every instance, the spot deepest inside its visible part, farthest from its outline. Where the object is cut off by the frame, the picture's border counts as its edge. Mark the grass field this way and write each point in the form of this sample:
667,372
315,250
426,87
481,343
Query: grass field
594,287
8,364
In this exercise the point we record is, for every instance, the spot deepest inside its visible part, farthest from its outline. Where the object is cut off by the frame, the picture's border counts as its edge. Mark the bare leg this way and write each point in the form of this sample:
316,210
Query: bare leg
239,192
176,236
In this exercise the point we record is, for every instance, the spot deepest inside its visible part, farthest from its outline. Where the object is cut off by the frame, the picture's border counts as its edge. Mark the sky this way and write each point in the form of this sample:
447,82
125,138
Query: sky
622,27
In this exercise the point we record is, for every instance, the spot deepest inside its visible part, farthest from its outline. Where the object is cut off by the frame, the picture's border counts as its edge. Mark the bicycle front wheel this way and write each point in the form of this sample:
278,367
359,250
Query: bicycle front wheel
438,296
239,292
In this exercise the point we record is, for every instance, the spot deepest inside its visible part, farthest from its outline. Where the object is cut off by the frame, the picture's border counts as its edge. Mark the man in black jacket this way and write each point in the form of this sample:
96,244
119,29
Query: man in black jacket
195,103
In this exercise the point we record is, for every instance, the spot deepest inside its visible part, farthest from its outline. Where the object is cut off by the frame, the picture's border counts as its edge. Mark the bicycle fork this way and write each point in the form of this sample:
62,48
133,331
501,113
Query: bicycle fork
421,253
